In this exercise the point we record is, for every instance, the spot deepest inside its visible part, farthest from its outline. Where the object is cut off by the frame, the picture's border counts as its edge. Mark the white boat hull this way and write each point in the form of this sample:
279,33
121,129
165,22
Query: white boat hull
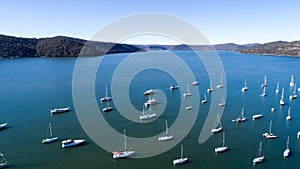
59,110
165,138
148,116
180,161
221,149
49,140
3,125
269,135
286,153
257,116
188,108
216,130
66,143
258,160
122,154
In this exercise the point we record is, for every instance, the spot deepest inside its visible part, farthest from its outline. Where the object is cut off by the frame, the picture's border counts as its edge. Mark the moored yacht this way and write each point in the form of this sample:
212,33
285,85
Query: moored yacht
259,157
59,110
270,135
71,143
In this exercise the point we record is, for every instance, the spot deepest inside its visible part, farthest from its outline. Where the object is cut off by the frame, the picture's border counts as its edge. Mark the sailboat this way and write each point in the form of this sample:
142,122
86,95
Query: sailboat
292,82
149,92
294,95
107,108
3,161
150,101
287,151
182,159
165,137
188,107
187,93
264,84
259,157
3,125
50,138
281,102
223,102
149,115
257,116
241,118
277,88
218,125
288,117
210,89
195,83
204,100
270,135
245,87
222,148
220,85
106,97
264,92
123,153
173,87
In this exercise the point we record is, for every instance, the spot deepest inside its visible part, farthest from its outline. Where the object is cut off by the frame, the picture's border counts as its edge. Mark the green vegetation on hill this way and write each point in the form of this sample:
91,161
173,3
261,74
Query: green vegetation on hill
59,46
274,48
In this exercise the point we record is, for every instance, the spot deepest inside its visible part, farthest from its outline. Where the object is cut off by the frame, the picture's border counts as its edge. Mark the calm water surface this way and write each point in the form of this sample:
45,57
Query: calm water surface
30,87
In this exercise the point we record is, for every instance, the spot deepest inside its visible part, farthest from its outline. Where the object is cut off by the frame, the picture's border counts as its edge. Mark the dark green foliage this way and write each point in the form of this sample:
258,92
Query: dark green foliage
59,46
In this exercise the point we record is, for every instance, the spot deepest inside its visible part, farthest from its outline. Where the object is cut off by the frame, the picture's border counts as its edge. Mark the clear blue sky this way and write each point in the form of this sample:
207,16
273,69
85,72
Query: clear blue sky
221,21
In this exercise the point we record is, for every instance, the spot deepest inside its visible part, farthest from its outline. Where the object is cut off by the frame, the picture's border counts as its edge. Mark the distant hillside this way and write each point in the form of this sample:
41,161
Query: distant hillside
227,46
274,48
59,46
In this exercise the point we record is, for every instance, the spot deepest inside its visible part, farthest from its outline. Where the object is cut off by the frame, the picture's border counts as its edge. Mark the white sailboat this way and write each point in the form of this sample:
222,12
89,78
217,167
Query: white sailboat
270,135
210,89
107,108
281,102
150,101
204,100
149,92
287,151
241,118
264,84
188,107
3,125
288,117
106,97
222,148
257,116
259,157
277,88
173,87
294,95
218,125
71,143
3,161
220,85
292,82
195,83
50,138
223,102
149,115
264,92
182,159
245,88
59,110
123,153
188,92
165,137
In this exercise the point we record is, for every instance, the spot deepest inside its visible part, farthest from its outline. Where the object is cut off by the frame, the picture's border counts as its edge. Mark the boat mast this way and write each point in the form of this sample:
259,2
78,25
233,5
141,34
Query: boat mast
287,143
242,112
181,153
259,150
270,129
282,93
245,83
50,129
125,144
166,128
223,139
